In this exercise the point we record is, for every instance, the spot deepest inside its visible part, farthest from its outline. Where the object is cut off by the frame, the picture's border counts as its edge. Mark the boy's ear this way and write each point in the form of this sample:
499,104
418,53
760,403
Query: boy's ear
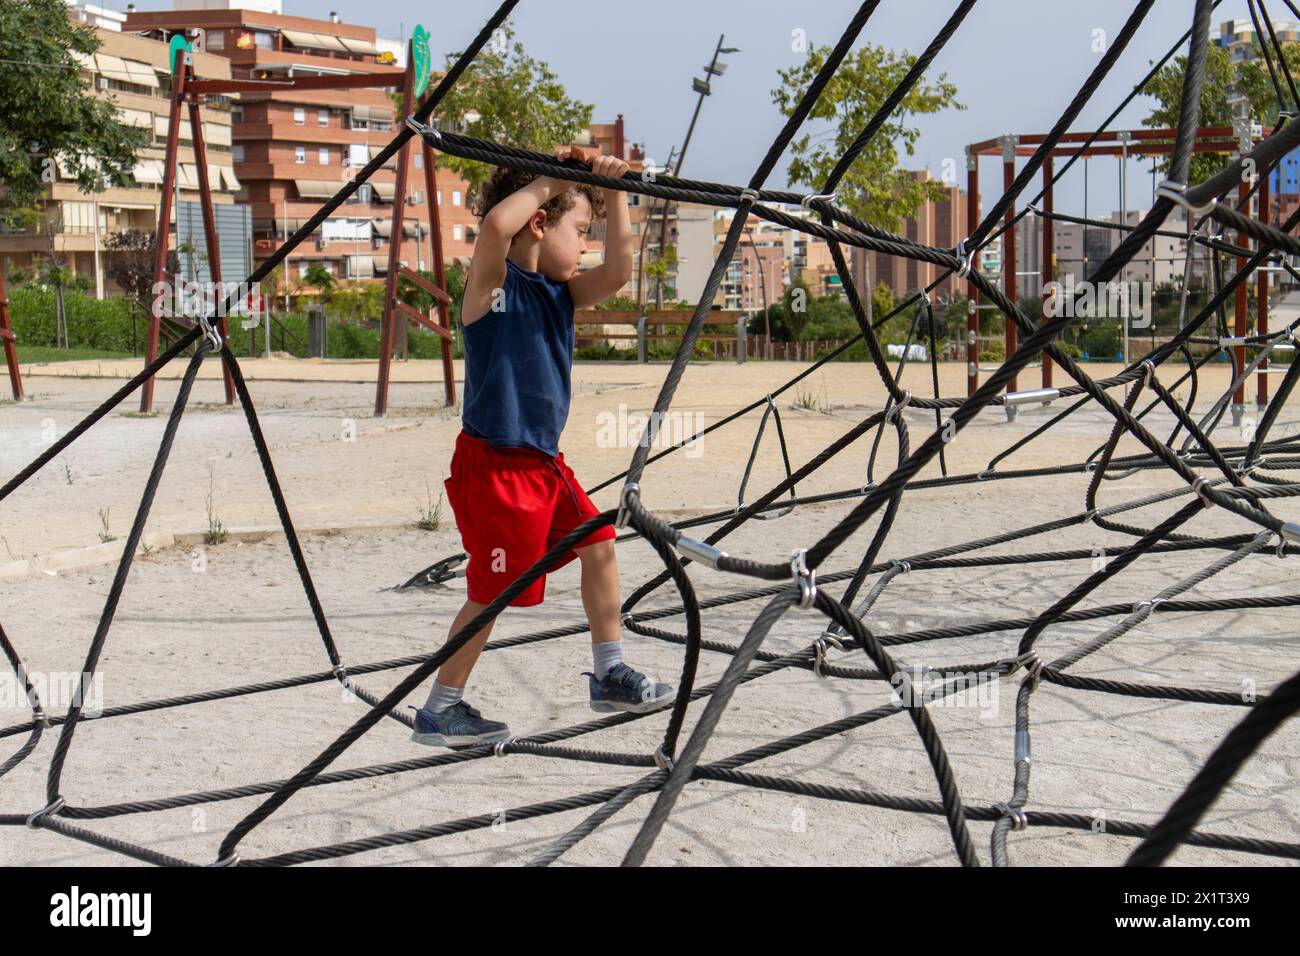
536,223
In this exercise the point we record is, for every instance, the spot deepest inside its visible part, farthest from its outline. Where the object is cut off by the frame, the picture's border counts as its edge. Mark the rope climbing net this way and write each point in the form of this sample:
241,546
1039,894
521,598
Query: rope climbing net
1237,481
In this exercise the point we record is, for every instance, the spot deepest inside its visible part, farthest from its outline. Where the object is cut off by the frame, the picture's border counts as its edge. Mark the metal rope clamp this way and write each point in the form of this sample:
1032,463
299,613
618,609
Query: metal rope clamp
828,198
1150,604
1016,815
34,821
804,576
964,260
748,195
819,648
1198,486
1176,193
421,129
232,860
662,760
211,333
1149,372
891,412
499,748
630,489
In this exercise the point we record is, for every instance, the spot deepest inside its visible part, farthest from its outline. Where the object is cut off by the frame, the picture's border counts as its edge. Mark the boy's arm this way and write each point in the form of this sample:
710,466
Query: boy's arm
487,270
598,284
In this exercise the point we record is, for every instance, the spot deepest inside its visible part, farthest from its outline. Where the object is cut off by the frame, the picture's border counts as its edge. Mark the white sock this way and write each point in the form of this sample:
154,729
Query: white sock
605,656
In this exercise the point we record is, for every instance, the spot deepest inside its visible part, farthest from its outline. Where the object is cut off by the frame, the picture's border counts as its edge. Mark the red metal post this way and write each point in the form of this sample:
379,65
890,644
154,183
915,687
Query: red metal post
972,291
1049,252
391,314
1261,301
1239,351
1009,252
162,236
9,340
210,232
435,234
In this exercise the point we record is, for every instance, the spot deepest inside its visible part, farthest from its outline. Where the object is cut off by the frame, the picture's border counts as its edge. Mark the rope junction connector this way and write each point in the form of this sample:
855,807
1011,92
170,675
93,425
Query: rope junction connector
892,410
421,129
749,195
1291,532
964,260
902,566
1228,341
805,577
1198,486
819,649
232,860
34,821
1150,604
1149,370
1017,816
39,716
699,551
828,198
499,748
662,760
340,671
211,333
1176,193
624,508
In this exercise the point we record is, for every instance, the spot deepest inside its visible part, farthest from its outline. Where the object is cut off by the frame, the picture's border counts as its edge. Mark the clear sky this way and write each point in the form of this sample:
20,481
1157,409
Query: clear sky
1016,64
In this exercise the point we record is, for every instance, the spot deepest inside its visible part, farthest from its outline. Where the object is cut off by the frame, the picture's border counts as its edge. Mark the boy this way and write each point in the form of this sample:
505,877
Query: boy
511,492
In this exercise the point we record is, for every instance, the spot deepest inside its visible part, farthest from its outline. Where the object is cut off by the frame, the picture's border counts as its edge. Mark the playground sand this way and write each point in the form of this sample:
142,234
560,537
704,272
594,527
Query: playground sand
196,618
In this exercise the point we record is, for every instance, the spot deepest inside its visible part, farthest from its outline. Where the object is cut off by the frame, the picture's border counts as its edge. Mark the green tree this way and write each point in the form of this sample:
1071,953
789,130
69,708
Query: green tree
47,110
519,101
1224,81
874,188
661,271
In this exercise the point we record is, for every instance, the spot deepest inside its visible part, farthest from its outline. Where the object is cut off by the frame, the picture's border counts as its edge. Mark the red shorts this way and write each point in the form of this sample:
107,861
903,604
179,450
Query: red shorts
512,505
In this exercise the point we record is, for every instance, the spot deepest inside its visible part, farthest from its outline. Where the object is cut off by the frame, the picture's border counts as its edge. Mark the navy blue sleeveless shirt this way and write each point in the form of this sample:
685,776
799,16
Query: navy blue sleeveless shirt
518,363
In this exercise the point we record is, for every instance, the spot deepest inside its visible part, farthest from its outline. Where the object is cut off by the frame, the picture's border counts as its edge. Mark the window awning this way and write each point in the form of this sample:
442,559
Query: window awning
113,67
361,267
189,176
315,41
130,117
85,60
162,122
142,74
317,188
216,133
385,190
149,171
392,160
228,174
358,46
361,112
383,227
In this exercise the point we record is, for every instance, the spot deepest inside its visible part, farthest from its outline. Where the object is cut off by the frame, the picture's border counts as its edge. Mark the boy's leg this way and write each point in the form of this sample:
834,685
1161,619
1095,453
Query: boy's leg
600,594
455,671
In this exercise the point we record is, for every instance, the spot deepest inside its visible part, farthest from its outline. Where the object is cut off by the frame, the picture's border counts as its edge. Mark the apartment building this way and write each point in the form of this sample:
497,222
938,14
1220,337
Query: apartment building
133,72
294,149
941,224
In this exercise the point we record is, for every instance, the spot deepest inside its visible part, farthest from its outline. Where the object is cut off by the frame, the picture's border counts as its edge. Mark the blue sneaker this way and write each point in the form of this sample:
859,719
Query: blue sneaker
628,690
460,725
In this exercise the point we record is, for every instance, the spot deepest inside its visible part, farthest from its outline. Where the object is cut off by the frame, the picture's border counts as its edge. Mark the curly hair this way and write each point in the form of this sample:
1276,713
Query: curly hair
504,181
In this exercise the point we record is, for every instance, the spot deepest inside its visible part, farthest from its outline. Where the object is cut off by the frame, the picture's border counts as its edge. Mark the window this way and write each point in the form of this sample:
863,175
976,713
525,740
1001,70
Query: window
237,152
419,161
300,154
322,117
302,268
439,197
263,41
299,116
455,197
416,198
458,232
216,40
324,155
236,115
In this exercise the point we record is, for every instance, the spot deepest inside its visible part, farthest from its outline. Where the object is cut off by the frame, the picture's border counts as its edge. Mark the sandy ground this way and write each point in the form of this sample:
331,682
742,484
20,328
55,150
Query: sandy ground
357,484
